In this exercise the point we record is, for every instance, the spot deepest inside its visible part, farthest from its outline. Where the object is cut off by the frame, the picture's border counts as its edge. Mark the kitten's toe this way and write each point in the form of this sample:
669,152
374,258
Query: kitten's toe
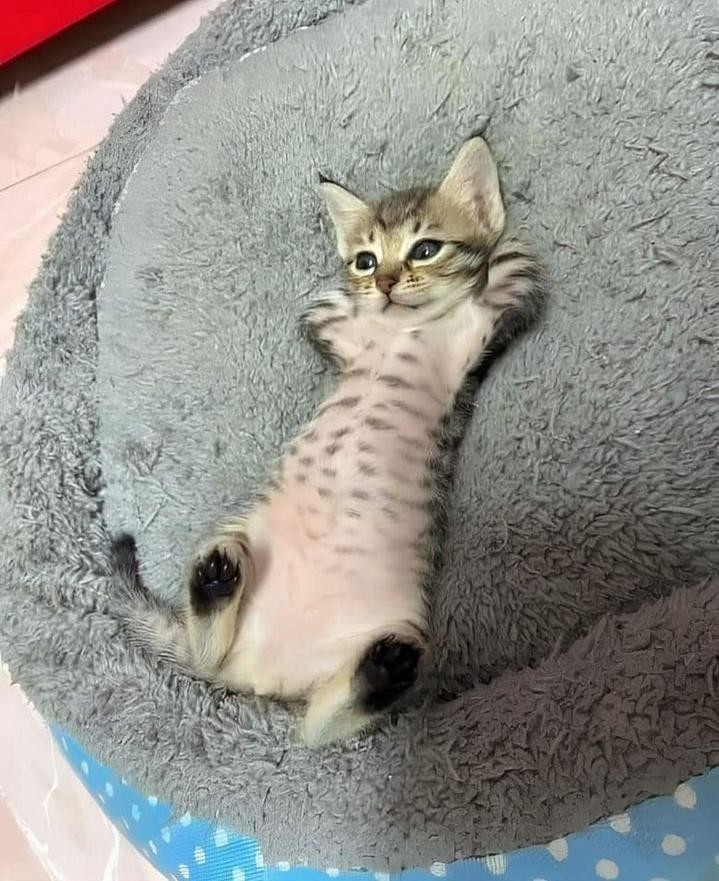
388,669
216,575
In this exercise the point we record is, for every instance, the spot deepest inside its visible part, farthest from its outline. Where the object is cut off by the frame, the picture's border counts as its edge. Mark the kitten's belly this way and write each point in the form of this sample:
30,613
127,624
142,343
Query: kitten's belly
317,608
345,536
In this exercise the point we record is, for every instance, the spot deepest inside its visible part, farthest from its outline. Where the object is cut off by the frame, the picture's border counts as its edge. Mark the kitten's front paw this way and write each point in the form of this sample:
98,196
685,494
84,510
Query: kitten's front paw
327,323
515,279
332,307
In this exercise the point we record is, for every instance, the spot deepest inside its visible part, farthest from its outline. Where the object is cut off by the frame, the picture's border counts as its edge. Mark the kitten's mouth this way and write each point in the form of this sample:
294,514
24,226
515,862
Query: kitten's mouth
390,301
397,299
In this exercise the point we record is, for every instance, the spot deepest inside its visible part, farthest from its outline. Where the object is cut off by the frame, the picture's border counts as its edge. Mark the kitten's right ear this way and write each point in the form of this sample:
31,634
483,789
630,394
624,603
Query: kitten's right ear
345,209
473,183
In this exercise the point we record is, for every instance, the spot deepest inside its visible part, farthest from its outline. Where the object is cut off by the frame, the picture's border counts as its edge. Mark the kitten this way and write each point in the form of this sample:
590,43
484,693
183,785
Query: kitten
319,593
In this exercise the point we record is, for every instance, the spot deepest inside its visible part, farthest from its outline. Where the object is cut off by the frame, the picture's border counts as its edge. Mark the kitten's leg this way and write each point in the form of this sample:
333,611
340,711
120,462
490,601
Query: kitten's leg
514,280
507,303
349,702
332,325
215,586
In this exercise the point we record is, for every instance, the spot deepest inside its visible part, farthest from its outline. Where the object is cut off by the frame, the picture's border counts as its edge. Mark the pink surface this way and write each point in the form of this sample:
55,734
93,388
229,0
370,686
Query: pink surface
50,828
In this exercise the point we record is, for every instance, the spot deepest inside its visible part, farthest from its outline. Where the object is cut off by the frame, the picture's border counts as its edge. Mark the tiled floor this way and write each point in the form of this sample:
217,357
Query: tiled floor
56,105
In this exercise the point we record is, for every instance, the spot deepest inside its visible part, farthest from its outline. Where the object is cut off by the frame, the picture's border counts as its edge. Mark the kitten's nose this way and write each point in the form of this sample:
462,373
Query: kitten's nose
386,282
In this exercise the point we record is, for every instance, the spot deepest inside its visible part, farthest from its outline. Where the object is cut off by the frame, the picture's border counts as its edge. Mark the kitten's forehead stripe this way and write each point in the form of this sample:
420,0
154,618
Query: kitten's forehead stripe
398,208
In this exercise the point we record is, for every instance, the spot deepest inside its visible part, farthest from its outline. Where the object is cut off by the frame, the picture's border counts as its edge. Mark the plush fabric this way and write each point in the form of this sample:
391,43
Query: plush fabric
159,369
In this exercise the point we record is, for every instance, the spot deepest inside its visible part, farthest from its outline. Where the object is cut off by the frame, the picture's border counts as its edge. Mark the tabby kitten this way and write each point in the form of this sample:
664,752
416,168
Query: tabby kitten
318,593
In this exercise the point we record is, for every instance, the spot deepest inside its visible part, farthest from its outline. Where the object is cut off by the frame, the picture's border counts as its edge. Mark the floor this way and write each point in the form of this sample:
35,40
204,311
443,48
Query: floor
56,104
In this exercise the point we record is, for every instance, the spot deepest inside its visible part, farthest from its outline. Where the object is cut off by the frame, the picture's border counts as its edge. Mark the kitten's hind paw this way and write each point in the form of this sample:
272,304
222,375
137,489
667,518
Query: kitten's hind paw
388,669
216,575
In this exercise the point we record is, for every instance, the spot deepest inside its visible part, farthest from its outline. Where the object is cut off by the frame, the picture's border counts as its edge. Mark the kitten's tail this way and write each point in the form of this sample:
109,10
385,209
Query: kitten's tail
148,623
515,284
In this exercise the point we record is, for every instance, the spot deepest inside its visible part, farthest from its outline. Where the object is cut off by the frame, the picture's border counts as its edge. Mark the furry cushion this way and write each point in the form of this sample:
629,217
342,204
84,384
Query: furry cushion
159,369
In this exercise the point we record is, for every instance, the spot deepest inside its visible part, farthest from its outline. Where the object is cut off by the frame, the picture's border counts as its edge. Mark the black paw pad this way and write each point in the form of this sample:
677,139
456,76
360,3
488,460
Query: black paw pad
215,577
388,669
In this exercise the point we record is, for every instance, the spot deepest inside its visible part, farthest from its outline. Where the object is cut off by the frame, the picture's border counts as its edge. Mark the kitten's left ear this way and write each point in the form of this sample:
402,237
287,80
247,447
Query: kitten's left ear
473,183
346,211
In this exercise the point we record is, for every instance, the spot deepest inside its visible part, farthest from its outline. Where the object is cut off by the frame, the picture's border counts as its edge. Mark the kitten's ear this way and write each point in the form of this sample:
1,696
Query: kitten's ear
473,183
346,211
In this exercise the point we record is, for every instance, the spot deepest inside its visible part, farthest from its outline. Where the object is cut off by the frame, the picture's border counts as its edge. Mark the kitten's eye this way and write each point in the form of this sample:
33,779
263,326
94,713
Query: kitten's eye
365,261
425,250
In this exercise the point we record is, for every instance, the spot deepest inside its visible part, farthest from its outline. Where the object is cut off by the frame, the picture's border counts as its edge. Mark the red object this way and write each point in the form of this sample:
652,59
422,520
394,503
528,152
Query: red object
25,23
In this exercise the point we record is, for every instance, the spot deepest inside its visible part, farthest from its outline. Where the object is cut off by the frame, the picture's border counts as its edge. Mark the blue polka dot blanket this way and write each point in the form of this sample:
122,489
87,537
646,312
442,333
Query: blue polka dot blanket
671,838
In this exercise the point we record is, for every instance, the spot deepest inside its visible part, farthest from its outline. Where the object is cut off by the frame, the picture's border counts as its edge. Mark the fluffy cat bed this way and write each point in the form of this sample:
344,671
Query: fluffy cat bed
159,369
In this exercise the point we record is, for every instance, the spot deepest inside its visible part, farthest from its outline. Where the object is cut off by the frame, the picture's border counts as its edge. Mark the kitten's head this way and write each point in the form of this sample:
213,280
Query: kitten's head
426,244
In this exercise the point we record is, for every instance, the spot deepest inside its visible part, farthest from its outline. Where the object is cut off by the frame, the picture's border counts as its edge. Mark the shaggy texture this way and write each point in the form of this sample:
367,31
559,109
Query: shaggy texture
582,534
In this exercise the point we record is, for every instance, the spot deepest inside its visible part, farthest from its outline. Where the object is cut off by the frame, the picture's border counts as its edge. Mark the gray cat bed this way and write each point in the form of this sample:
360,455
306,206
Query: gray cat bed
159,368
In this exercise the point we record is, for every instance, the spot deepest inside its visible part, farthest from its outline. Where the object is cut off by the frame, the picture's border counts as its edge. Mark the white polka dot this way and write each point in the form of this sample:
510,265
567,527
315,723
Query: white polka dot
136,813
125,824
259,860
166,834
184,871
153,847
658,879
123,781
101,798
109,789
63,742
607,869
621,823
716,858
539,879
673,845
559,849
152,800
496,864
381,876
221,837
238,874
439,870
333,873
84,767
185,819
199,855
283,866
685,796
